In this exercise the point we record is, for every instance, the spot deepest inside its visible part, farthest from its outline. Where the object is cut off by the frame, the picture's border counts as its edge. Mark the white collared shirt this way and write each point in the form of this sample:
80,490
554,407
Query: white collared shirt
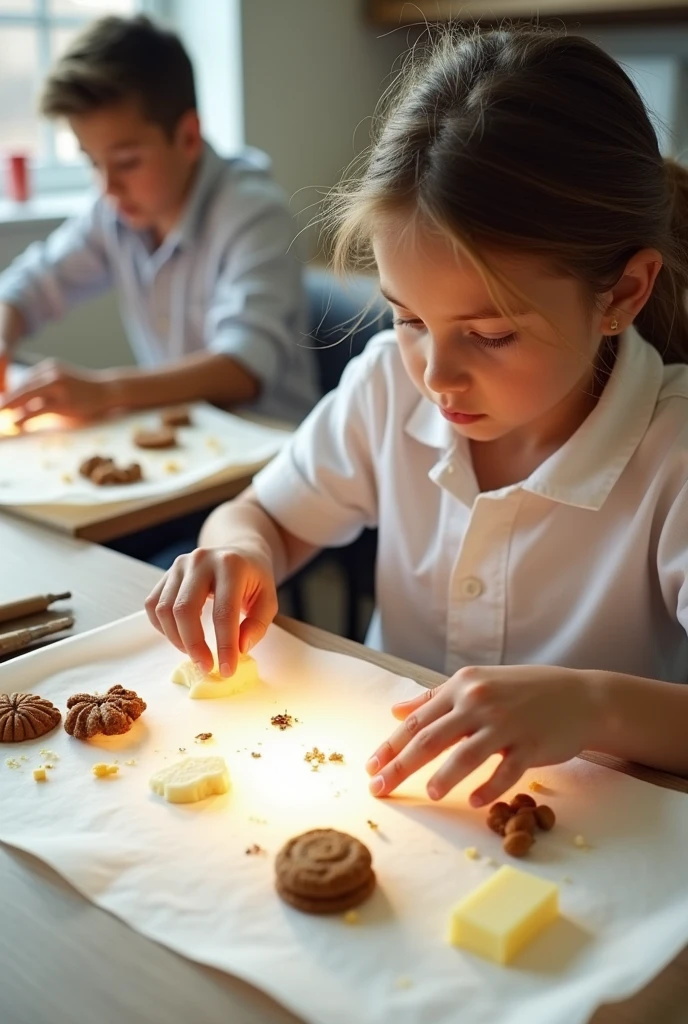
225,280
583,564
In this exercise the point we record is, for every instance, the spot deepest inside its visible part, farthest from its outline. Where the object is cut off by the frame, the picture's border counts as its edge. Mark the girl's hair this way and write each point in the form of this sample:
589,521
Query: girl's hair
533,141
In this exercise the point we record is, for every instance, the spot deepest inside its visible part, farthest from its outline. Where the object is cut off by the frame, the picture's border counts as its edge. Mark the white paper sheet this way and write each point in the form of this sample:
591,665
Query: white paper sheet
180,874
43,467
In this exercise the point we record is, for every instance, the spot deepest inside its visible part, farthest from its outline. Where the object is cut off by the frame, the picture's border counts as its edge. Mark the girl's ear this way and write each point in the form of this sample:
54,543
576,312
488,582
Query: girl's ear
624,301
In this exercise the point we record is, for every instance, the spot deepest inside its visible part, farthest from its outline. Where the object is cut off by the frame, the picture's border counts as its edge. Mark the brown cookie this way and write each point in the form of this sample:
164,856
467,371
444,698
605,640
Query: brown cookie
336,905
177,417
163,437
24,716
324,872
89,466
110,474
111,713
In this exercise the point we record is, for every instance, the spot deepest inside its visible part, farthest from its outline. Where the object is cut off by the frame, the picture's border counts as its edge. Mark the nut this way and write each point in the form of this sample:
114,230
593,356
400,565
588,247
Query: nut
522,800
517,844
497,817
524,821
545,817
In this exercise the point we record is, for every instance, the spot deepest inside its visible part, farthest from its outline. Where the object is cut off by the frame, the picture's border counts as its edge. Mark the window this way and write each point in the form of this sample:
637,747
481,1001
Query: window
33,33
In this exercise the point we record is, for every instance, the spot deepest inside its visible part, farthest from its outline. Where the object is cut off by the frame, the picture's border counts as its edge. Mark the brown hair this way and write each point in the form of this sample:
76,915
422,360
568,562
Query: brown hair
118,59
529,140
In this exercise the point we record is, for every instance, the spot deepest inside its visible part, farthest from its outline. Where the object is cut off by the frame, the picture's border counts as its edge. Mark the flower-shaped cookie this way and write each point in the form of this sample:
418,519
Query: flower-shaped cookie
111,713
24,716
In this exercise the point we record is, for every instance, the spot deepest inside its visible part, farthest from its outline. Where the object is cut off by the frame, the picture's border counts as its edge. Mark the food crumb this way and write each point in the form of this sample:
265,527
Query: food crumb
254,753
131,762
67,478
567,879
282,722
182,750
336,757
352,917
39,774
13,763
314,756
471,853
371,824
491,862
254,848
203,737
44,752
581,842
535,786
403,982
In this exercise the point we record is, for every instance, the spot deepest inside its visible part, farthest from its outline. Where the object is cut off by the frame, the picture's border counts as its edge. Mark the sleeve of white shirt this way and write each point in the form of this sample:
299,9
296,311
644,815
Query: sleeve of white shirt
69,267
257,305
322,486
673,558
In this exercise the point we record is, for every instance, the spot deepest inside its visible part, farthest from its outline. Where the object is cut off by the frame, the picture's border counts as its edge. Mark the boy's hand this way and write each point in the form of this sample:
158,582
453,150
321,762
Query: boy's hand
530,714
240,582
53,387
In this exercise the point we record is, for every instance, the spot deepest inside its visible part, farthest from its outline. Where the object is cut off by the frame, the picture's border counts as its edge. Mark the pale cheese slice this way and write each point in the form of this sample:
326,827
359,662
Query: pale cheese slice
206,685
192,779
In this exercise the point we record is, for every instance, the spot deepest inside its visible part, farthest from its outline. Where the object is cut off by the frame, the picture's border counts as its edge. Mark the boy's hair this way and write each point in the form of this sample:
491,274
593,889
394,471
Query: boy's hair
118,59
534,141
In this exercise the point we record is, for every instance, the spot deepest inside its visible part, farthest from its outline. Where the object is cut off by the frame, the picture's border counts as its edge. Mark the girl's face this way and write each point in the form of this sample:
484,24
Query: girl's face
490,376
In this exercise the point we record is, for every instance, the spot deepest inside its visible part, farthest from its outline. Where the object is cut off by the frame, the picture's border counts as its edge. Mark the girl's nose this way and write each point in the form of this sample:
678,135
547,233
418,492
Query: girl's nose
443,372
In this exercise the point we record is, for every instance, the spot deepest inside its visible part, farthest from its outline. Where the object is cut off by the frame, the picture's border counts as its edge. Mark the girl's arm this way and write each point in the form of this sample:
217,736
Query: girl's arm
244,524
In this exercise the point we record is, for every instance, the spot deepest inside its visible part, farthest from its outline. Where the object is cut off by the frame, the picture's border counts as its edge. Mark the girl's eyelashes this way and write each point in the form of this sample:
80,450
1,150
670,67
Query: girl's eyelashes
500,341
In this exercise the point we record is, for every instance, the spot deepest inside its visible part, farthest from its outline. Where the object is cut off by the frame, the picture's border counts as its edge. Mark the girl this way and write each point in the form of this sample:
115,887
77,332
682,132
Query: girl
520,438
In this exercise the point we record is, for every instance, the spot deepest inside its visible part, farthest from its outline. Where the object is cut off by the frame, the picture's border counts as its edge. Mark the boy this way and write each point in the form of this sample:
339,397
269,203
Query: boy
197,246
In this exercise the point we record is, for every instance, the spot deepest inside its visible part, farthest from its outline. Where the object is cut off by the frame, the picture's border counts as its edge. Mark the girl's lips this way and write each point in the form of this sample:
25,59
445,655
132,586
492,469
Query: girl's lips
462,418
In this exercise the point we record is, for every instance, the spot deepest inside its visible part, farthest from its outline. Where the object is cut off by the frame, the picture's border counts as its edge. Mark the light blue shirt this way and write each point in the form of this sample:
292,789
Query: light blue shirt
225,280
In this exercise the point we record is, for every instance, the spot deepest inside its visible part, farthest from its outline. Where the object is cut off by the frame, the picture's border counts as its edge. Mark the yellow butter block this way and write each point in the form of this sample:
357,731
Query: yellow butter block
504,914
39,774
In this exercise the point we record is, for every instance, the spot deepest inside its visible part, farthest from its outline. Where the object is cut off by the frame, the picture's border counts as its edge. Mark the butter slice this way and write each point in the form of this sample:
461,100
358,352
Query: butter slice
499,918
206,685
192,779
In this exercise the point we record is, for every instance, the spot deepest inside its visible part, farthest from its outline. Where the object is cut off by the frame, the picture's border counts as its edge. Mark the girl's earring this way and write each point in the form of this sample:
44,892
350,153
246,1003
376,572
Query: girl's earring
614,324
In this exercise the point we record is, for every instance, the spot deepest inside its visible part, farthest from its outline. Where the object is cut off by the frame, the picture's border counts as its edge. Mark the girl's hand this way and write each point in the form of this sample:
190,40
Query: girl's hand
530,714
240,583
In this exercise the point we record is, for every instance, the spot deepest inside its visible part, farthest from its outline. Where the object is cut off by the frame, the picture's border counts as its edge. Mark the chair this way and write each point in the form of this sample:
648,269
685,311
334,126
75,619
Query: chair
343,316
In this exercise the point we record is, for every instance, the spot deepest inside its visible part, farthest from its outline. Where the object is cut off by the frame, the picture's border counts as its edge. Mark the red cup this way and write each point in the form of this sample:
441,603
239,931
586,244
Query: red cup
18,177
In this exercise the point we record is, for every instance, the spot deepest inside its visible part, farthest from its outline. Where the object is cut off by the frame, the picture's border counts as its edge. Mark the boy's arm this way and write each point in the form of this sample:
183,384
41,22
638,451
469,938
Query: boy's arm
52,276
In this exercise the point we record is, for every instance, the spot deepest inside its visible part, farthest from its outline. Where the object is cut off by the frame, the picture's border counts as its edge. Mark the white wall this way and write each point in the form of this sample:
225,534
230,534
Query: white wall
313,72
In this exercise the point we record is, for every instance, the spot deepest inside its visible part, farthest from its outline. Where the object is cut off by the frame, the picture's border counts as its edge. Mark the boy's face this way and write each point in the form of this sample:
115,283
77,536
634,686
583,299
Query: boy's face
144,173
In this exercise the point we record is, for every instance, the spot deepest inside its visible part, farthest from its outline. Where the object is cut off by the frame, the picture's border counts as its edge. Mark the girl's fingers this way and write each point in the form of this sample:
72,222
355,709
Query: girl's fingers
506,775
151,605
429,710
424,747
259,614
468,755
187,608
165,608
226,617
405,707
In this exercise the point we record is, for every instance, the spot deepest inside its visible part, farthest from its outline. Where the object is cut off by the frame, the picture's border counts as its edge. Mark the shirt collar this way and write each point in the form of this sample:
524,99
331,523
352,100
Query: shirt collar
585,469
186,230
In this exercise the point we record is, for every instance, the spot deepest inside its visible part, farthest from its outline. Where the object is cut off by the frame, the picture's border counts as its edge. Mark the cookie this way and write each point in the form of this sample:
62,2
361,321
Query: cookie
25,716
324,872
111,713
110,474
88,466
177,417
163,437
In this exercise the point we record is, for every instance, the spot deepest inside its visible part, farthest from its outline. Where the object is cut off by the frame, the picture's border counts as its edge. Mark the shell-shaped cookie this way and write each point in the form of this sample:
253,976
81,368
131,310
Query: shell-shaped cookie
25,716
111,713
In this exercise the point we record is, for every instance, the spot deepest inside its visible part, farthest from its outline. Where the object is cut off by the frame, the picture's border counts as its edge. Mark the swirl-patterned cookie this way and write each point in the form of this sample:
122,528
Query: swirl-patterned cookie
25,716
324,872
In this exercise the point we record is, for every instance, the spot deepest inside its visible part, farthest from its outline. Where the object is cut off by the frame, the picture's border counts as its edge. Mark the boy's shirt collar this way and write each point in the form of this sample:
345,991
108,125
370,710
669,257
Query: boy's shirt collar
209,169
585,469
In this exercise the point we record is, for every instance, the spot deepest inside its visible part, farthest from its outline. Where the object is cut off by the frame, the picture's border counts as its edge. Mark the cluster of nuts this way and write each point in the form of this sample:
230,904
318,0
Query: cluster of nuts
517,822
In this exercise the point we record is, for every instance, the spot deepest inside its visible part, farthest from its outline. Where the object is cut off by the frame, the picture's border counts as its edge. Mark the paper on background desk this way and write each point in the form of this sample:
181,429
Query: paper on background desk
43,467
180,874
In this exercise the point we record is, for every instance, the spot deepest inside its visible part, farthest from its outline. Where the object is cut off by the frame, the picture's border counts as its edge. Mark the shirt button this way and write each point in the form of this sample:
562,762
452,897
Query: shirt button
450,469
471,587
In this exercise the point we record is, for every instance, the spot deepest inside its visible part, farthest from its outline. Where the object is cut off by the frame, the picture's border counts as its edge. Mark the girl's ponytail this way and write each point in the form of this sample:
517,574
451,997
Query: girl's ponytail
664,320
